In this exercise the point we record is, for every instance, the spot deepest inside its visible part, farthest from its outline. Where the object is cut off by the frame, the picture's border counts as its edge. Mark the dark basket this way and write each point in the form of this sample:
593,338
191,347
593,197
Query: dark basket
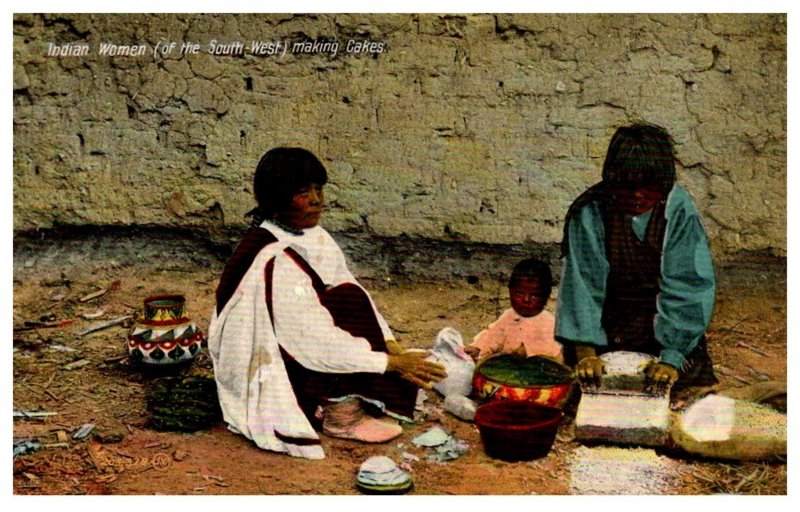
184,404
515,430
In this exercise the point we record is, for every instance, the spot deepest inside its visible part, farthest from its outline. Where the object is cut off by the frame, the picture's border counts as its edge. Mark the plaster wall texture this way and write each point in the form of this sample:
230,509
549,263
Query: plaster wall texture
463,128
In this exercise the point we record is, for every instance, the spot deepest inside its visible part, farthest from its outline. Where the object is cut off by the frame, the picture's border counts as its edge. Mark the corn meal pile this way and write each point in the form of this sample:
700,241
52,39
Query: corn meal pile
614,470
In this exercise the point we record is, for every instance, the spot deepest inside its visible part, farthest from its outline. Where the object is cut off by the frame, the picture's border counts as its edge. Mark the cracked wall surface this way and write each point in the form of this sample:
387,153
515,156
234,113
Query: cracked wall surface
471,128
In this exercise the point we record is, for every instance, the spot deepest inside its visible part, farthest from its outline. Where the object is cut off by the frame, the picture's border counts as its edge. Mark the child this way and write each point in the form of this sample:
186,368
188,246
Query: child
525,329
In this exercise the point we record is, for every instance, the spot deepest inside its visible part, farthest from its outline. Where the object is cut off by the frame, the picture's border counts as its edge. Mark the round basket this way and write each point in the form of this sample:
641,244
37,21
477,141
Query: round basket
535,379
514,430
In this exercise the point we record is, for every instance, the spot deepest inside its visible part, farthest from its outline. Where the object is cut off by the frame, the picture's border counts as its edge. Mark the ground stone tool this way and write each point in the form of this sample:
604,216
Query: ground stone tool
622,410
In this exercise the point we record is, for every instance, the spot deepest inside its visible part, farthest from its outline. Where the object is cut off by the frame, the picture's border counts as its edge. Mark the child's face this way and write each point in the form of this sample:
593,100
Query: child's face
305,208
528,297
636,199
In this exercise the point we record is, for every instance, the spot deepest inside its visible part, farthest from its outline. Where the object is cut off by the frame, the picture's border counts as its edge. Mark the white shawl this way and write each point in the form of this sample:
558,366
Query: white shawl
258,403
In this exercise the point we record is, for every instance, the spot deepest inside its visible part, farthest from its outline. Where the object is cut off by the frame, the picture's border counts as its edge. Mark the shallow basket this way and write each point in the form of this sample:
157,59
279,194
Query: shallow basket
515,430
554,391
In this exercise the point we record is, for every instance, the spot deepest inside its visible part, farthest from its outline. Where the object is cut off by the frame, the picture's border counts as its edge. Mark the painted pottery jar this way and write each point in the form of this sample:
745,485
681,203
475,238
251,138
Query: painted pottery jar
535,379
163,334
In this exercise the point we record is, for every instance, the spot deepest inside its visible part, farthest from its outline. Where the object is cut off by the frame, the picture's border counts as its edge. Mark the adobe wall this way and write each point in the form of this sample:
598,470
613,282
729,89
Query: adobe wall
477,129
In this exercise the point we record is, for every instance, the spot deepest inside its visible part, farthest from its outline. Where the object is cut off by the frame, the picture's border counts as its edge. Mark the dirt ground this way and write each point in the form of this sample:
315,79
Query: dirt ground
124,456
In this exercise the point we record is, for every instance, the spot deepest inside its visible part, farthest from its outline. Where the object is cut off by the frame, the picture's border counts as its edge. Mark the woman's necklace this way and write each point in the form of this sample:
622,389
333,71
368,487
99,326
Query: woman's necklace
284,227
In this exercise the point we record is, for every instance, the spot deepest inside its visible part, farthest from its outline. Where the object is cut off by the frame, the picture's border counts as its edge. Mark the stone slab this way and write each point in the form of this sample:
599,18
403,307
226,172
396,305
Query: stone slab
623,419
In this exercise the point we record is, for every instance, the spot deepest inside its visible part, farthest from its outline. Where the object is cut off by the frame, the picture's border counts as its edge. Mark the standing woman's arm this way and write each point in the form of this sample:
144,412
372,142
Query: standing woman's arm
686,298
582,290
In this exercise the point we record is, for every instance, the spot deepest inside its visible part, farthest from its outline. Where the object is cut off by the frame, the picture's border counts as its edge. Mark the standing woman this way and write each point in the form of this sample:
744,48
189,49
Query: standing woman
297,343
638,273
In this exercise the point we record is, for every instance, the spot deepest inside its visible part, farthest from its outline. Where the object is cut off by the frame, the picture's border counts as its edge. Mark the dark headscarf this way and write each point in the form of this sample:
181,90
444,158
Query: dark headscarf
640,154
280,173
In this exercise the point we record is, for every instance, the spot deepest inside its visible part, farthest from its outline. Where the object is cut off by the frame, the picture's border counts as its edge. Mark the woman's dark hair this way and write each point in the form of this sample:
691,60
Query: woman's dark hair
640,154
535,270
280,173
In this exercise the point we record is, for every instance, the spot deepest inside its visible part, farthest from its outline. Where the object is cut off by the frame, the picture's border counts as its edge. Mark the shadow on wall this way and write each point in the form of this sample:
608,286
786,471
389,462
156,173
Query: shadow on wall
374,258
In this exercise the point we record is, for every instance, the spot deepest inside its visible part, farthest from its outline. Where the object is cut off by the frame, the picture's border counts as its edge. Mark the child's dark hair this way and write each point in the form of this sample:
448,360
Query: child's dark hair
280,173
640,154
535,270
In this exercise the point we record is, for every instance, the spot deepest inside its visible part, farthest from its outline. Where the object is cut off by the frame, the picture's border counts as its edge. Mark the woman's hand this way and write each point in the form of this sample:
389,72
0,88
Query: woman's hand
413,367
590,368
660,377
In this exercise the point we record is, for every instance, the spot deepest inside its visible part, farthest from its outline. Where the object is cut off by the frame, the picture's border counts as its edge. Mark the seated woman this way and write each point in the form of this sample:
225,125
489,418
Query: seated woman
295,340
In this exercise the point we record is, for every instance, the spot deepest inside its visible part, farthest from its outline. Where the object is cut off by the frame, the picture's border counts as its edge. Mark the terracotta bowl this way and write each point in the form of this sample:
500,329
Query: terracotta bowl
517,430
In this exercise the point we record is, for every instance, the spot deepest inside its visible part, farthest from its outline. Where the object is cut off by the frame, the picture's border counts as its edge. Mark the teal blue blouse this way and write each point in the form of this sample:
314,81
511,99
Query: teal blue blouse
685,301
